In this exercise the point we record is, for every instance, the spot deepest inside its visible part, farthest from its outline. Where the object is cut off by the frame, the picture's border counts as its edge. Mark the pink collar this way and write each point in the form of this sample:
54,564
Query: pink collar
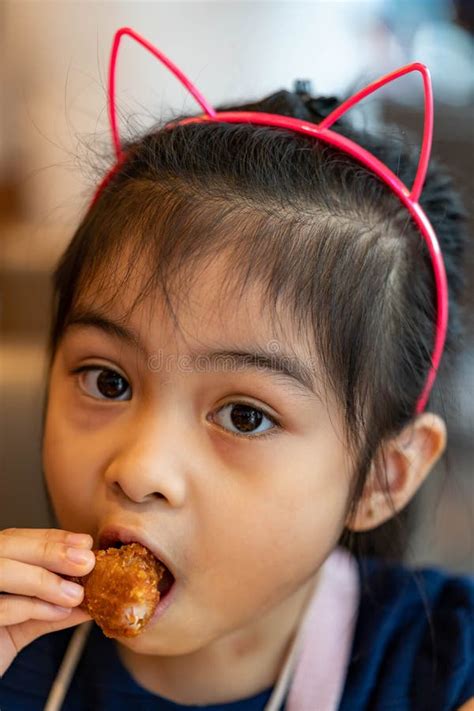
320,670
314,671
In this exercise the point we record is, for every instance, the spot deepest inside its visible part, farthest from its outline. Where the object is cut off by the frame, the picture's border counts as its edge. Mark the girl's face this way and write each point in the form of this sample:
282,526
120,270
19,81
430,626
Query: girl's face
236,470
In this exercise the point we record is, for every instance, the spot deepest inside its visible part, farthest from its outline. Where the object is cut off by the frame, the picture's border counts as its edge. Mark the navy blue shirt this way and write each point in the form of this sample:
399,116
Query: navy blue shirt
413,650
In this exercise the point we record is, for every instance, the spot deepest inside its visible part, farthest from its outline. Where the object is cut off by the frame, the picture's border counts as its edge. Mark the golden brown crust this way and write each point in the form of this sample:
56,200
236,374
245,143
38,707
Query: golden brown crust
121,592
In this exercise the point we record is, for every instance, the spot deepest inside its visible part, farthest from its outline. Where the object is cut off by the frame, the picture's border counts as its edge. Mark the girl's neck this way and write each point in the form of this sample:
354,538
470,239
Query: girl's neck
237,666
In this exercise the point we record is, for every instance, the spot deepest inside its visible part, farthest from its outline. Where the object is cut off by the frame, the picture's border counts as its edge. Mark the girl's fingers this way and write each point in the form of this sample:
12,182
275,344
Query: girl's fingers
51,534
31,592
57,556
26,632
18,608
30,580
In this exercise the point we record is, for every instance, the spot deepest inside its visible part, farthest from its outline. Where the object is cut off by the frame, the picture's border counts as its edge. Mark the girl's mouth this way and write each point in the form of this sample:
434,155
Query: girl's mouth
166,580
166,598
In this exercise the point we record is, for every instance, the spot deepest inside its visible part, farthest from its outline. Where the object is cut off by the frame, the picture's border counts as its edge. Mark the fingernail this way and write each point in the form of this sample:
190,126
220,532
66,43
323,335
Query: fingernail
78,555
71,589
61,610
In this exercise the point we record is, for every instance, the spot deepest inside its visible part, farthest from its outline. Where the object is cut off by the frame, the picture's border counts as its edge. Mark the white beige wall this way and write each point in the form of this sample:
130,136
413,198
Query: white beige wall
56,56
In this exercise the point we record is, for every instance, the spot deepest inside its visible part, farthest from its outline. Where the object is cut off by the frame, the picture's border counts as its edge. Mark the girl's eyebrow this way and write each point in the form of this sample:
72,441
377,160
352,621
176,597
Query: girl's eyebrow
284,366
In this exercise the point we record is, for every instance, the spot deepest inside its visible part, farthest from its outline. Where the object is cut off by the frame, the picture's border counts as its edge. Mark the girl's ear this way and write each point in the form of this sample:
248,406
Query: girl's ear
401,467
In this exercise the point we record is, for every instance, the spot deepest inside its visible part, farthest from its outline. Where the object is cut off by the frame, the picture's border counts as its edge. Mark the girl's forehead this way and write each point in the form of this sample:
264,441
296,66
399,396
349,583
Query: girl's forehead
189,322
196,309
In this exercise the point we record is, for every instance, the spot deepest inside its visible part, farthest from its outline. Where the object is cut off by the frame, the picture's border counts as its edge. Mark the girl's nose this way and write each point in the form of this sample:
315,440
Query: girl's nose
150,464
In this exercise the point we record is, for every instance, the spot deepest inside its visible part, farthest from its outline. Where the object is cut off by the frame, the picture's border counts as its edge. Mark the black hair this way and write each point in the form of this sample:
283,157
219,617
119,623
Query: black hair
328,242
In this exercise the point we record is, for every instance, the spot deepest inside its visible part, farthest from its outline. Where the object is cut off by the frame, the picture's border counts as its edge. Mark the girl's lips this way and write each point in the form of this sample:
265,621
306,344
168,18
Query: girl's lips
165,601
112,534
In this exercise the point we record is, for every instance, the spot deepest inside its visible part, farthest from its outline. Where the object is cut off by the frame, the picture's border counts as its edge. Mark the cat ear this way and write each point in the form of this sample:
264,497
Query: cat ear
428,116
208,109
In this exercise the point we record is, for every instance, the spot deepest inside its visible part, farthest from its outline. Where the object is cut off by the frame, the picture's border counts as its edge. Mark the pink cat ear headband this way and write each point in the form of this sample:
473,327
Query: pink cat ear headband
408,196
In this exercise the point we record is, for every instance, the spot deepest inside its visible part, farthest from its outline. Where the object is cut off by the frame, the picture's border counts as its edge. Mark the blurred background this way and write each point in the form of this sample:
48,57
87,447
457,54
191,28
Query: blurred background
54,144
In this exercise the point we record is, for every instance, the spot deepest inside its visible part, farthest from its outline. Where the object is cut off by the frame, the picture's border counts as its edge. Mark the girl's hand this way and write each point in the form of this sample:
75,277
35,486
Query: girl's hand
34,600
468,706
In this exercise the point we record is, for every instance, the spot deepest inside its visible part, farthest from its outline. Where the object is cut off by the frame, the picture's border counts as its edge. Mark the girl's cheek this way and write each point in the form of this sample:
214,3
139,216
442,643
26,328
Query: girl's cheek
71,483
82,414
69,455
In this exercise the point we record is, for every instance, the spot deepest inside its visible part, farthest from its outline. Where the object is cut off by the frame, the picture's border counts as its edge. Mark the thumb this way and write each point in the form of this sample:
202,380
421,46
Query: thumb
15,637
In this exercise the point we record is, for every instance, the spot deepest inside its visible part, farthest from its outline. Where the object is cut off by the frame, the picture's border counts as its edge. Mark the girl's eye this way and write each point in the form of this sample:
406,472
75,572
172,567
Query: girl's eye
240,418
110,385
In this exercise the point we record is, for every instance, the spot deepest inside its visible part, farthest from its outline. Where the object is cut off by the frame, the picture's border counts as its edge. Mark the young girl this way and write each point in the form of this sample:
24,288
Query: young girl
243,324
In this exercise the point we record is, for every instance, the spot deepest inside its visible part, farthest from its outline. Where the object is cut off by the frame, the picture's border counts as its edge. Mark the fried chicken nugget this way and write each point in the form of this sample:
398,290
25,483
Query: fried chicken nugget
121,592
